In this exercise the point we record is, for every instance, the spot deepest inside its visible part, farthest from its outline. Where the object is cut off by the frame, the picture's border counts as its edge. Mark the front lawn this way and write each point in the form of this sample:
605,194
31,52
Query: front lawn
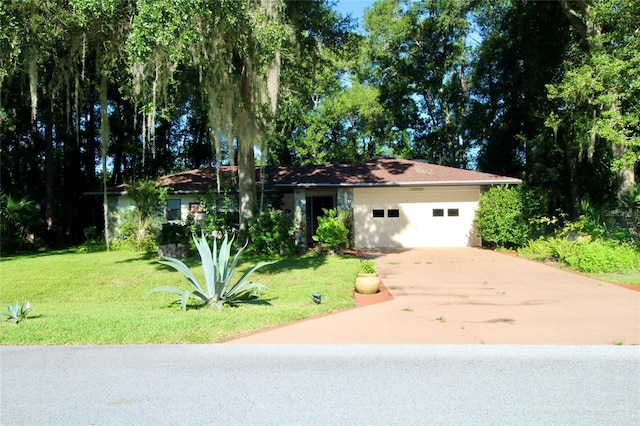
98,298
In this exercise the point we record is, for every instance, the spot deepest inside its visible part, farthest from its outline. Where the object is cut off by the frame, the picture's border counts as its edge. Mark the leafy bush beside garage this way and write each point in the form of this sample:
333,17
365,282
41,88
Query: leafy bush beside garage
500,219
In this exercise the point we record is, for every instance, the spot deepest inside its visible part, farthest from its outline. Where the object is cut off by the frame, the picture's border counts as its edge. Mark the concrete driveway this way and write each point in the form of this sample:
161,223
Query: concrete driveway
474,296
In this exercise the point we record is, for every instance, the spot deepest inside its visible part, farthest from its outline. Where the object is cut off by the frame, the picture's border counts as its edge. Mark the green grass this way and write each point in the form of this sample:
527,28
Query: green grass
98,298
626,278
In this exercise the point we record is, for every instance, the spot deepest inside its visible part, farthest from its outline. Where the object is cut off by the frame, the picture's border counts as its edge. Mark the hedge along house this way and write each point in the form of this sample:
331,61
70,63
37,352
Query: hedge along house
394,203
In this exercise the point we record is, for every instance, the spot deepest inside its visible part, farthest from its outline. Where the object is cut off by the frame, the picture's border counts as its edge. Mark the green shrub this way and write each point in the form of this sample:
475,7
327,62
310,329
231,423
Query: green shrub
602,256
136,233
549,249
271,232
18,218
174,233
563,248
629,209
598,256
220,214
536,208
139,227
93,241
499,218
332,229
537,250
150,198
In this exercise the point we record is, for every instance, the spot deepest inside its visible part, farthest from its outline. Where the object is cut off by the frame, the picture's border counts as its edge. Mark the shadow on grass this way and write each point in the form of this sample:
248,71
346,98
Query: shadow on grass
36,254
282,264
75,251
28,318
249,300
148,256
293,263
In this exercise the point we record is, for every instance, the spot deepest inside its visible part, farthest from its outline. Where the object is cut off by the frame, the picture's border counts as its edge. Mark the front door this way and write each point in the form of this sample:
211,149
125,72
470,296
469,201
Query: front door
314,210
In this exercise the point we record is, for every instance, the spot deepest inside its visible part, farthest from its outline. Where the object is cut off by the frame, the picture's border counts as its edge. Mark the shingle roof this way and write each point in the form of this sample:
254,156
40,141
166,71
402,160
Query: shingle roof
380,172
383,171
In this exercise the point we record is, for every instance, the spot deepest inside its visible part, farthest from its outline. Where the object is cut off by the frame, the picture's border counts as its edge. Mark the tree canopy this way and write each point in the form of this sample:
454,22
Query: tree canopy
95,93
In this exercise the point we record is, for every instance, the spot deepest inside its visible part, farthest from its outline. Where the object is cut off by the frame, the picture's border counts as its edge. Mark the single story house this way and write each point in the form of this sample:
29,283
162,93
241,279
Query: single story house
394,202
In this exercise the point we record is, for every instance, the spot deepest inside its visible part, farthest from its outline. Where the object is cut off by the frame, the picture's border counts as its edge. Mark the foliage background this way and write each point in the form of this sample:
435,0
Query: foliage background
94,94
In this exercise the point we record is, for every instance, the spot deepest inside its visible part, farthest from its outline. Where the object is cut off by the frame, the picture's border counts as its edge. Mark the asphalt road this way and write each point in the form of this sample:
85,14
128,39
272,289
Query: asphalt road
320,384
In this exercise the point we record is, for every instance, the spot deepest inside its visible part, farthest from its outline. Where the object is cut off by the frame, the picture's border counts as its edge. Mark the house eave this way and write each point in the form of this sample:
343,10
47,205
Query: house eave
185,192
485,182
109,193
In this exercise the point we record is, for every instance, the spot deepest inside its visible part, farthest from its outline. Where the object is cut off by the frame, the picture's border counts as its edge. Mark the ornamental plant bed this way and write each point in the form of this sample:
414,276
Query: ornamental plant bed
382,295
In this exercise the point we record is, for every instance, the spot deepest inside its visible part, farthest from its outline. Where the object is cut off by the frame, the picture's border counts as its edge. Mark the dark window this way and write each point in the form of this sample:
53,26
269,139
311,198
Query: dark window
378,213
453,212
438,212
173,210
393,213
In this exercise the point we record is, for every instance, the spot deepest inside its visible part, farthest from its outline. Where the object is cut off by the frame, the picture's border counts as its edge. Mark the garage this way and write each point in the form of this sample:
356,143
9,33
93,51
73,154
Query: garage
415,216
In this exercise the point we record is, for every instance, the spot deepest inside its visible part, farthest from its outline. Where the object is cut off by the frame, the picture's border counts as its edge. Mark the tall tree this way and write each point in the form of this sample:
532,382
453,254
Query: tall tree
522,49
600,87
344,128
315,59
421,64
235,47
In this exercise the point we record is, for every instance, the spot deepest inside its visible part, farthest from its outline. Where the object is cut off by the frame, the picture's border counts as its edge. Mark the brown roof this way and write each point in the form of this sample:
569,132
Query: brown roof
383,171
380,172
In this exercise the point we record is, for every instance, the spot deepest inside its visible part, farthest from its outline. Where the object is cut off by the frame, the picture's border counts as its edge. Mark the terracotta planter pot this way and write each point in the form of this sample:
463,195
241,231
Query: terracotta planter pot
367,283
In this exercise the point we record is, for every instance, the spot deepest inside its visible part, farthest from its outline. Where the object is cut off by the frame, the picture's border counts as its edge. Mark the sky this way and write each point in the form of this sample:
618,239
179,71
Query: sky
355,8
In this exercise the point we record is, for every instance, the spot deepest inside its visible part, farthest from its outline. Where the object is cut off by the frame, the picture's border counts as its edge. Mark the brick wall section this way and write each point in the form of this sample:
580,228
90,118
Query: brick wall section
177,251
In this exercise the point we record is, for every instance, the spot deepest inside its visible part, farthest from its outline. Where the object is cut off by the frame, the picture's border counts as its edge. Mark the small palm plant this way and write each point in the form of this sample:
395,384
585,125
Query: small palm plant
218,273
17,312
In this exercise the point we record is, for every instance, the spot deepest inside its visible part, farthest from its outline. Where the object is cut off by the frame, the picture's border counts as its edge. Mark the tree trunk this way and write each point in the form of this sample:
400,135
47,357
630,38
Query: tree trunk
246,181
626,176
49,163
104,139
33,92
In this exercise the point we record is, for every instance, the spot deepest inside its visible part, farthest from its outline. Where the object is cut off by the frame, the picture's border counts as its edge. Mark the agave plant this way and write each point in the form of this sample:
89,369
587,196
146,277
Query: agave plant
218,273
17,312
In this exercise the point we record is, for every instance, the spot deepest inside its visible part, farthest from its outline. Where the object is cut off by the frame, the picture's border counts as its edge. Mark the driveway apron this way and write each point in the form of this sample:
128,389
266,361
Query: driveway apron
475,296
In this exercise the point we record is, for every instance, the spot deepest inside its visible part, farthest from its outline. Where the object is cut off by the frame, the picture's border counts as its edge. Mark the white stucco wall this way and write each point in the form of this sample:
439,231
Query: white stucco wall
122,203
415,225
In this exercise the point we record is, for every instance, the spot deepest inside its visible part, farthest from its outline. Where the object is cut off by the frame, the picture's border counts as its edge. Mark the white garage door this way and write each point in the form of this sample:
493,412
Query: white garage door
415,216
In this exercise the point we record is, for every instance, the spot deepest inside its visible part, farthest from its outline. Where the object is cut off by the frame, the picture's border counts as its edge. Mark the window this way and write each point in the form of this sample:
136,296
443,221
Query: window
195,208
453,212
378,213
173,209
438,212
393,213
